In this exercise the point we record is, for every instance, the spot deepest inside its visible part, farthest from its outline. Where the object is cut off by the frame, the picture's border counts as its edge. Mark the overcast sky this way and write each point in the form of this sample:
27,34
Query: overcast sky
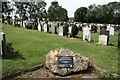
72,5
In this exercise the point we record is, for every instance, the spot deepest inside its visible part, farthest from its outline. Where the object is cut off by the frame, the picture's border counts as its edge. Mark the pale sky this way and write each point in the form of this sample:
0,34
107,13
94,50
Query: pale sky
72,5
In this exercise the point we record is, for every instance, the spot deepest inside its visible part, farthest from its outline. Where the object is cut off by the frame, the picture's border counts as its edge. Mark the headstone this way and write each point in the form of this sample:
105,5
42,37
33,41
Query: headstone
21,23
94,29
112,32
60,30
63,62
104,38
86,34
53,28
70,29
45,27
39,27
3,44
24,23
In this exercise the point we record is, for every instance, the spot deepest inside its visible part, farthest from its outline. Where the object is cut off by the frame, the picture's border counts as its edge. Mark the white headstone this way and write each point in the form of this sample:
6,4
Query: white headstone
39,27
45,27
24,23
60,31
112,32
52,27
103,39
86,34
70,29
108,27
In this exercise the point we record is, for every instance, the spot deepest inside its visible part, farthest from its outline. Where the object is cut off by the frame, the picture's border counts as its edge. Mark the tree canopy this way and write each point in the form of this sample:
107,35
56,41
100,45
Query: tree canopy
57,13
109,13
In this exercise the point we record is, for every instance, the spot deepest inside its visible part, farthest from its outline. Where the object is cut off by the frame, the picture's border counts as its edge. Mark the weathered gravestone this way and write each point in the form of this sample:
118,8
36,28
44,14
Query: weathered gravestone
86,34
53,28
39,27
70,29
94,28
61,29
24,22
112,31
3,44
63,61
45,27
104,37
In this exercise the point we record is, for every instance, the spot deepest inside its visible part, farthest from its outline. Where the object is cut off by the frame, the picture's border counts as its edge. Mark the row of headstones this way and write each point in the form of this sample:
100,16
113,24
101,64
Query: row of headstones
103,38
110,27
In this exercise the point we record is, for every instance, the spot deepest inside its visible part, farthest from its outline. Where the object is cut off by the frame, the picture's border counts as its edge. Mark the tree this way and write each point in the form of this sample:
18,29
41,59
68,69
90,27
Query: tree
57,13
80,14
6,11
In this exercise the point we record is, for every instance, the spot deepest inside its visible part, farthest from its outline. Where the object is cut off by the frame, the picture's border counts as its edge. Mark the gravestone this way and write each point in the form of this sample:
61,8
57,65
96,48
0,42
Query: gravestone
39,27
104,37
86,34
60,30
70,29
24,23
45,27
112,32
53,28
63,62
3,44
94,29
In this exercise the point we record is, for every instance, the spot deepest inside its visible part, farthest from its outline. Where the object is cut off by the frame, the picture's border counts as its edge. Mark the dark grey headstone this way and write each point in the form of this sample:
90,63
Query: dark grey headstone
3,44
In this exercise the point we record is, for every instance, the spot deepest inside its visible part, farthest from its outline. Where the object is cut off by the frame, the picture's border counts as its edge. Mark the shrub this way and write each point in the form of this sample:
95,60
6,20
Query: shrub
74,30
65,29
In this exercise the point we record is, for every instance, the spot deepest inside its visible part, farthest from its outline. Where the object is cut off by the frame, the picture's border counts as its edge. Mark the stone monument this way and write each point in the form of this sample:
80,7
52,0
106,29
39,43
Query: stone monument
63,62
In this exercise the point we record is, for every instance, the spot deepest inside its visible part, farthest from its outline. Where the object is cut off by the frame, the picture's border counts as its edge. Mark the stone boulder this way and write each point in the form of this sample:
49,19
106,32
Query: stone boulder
80,62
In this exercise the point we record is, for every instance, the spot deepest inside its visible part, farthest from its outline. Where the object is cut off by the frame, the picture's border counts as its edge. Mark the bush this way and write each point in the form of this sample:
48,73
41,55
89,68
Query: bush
74,30
65,29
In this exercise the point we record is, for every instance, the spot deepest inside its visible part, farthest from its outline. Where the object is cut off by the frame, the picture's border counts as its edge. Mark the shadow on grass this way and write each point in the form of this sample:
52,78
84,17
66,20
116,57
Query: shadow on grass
12,53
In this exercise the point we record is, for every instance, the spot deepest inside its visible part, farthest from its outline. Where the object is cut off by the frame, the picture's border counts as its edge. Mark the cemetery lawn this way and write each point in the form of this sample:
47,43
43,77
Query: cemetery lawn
32,47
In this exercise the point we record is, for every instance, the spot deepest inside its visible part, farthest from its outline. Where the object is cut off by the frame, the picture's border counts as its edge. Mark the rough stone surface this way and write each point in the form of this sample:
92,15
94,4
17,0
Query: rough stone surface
80,62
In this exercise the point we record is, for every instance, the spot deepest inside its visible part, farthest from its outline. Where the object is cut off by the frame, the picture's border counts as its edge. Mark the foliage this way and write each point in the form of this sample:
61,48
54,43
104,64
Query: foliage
65,29
74,30
107,13
57,13
80,14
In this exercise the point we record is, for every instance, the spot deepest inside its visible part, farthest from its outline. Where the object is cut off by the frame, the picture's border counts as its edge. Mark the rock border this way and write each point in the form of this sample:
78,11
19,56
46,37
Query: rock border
17,73
12,76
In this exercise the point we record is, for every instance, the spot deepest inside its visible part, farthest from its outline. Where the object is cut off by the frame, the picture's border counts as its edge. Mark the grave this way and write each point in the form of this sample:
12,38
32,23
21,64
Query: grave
61,29
53,28
70,29
3,44
45,27
112,31
86,34
63,62
104,37
94,29
24,23
39,27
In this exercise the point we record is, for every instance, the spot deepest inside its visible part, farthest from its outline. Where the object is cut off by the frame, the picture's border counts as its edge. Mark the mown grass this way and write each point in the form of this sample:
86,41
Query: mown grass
33,45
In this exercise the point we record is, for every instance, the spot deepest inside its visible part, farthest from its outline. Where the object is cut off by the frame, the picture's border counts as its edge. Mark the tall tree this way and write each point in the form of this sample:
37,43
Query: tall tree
57,13
80,14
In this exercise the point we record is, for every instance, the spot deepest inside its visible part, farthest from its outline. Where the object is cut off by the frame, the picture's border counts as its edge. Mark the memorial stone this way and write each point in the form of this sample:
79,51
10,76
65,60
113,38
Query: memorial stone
86,34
